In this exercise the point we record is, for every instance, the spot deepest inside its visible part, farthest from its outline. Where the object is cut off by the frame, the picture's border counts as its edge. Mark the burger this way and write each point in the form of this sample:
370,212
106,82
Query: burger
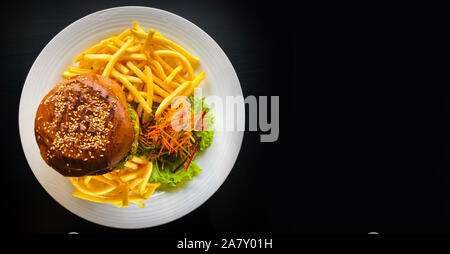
84,126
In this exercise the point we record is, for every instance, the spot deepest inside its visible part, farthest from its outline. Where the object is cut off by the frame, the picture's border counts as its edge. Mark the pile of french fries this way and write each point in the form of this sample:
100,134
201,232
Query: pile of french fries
118,187
150,68
152,71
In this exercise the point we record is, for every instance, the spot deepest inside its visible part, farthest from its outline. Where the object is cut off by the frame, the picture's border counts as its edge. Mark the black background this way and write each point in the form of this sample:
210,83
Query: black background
253,199
363,140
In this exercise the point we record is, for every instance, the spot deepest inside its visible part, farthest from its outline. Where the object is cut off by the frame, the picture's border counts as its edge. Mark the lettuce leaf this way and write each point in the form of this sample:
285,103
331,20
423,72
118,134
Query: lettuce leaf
207,138
165,176
207,134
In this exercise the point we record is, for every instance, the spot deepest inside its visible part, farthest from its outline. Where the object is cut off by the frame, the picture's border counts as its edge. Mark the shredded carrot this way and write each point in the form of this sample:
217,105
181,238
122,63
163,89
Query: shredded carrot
174,140
172,133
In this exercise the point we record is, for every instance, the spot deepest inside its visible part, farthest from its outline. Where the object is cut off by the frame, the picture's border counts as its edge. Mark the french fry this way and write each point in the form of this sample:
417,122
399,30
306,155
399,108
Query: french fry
156,46
132,89
157,68
135,182
97,57
139,160
147,172
104,199
130,165
133,79
112,48
93,49
80,187
167,67
137,71
172,75
107,57
156,98
104,50
68,74
119,43
148,81
122,68
99,189
124,34
78,70
85,64
150,189
82,195
160,91
135,48
131,49
125,195
130,98
186,64
169,98
139,110
161,94
130,175
194,84
116,57
139,34
148,39
160,83
149,85
86,180
141,64
138,27
102,178
108,176
139,203
193,60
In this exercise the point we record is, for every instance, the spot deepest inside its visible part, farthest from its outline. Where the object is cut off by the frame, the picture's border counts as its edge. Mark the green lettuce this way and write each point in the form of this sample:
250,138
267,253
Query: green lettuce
206,139
136,132
207,134
167,177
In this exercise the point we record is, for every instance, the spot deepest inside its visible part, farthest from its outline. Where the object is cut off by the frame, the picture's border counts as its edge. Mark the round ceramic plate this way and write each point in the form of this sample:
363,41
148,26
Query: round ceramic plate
221,80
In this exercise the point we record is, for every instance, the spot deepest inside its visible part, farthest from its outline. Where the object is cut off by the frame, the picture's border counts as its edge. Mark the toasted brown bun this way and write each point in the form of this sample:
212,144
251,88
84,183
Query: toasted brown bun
83,126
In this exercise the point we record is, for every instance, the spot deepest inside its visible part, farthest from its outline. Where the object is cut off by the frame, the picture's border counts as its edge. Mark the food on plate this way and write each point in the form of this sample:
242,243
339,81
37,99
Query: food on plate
83,126
124,121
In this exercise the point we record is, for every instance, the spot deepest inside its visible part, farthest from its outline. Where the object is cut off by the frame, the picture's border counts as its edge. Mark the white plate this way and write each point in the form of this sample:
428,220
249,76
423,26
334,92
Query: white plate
221,80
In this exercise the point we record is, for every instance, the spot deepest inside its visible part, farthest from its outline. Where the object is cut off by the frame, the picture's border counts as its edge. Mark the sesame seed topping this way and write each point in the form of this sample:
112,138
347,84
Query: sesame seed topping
80,122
